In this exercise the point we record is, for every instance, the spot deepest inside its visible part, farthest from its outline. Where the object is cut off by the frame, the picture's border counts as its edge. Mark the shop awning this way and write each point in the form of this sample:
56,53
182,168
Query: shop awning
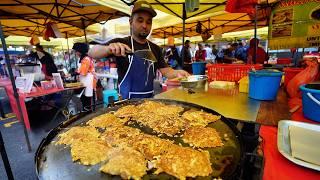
172,7
224,23
28,17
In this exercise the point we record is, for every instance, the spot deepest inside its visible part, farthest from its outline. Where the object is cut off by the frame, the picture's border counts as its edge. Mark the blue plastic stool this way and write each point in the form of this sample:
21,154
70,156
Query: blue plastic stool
107,94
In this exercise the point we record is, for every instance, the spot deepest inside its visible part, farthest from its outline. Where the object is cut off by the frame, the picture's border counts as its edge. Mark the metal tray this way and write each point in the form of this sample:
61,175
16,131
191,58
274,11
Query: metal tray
284,145
54,162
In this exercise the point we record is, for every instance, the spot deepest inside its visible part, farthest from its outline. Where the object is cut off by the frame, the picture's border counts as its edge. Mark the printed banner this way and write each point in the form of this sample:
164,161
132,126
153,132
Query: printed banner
295,24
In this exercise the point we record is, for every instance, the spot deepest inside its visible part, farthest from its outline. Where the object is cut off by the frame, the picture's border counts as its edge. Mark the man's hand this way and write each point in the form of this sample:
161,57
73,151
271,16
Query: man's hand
101,51
171,73
118,49
181,73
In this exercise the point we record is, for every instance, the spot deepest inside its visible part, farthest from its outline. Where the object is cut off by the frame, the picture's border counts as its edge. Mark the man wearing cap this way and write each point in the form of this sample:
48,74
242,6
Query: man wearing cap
136,71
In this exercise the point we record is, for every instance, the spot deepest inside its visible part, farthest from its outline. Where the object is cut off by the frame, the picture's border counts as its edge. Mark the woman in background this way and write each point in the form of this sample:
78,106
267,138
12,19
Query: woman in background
86,73
200,53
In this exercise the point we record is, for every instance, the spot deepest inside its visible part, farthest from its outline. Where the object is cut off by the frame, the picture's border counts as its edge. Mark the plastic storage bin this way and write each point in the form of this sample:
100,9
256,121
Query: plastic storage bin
198,68
290,73
264,84
230,72
110,93
310,103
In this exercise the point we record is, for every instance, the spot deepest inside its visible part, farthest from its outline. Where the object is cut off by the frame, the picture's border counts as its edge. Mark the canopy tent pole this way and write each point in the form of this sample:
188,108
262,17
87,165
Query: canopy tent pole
68,51
5,159
164,38
255,35
184,16
84,30
15,92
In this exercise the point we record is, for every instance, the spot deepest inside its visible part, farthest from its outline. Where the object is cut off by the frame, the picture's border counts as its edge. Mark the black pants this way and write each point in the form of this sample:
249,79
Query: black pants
86,102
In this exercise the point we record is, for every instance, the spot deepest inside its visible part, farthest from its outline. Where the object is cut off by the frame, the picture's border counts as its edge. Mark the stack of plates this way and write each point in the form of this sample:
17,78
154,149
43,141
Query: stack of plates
300,143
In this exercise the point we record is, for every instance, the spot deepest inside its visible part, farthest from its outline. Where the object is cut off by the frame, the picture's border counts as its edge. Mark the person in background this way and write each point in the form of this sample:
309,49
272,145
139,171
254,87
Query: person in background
200,53
214,50
46,60
2,69
210,58
86,73
173,57
229,54
241,52
261,55
136,73
187,58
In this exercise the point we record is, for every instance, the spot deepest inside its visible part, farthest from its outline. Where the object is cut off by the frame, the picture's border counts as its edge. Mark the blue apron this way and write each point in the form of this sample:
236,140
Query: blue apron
138,80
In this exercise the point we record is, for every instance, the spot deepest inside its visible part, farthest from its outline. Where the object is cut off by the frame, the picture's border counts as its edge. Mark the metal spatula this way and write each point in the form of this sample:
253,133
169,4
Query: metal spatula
146,54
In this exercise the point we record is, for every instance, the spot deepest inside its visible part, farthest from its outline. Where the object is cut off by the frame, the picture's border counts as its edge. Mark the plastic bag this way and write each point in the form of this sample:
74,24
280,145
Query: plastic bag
306,76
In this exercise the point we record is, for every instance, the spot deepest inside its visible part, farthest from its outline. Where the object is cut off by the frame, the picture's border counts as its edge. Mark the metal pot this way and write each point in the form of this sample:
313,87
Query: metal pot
195,81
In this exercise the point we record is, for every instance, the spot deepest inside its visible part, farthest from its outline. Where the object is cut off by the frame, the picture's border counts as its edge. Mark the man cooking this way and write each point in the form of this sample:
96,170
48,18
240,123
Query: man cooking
136,71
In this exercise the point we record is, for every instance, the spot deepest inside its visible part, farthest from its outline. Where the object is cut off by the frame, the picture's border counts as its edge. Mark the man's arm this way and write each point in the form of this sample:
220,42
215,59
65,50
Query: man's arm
171,73
101,51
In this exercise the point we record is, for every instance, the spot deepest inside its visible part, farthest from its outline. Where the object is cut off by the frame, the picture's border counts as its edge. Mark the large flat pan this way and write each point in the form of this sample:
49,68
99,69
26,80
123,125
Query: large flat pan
54,162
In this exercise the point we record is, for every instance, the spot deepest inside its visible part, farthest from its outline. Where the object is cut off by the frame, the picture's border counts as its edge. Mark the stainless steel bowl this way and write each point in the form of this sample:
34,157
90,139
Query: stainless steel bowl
195,81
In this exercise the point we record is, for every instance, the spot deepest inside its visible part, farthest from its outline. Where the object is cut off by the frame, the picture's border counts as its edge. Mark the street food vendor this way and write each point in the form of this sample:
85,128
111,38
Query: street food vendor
136,73
46,60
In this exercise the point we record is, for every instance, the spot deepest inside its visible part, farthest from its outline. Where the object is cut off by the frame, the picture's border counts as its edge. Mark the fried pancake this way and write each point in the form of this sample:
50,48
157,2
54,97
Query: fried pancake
78,133
151,146
159,108
199,118
183,162
106,120
126,162
166,124
89,151
120,135
127,111
202,137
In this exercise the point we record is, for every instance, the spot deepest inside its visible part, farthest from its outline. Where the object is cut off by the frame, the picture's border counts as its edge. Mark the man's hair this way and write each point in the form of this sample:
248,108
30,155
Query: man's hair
187,41
234,44
39,47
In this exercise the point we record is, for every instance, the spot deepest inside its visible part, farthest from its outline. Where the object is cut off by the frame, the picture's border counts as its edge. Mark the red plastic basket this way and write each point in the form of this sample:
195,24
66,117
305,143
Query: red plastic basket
290,73
230,72
284,61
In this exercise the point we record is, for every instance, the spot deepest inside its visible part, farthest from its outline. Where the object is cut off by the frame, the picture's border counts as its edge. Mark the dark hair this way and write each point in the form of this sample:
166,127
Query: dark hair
82,48
234,44
187,41
39,47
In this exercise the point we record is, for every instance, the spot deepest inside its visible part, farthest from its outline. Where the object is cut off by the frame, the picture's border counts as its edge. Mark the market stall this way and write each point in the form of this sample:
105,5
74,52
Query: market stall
50,19
191,130
68,18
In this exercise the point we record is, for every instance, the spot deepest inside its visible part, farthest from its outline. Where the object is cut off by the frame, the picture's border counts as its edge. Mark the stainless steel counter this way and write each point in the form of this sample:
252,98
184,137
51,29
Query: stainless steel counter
229,103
